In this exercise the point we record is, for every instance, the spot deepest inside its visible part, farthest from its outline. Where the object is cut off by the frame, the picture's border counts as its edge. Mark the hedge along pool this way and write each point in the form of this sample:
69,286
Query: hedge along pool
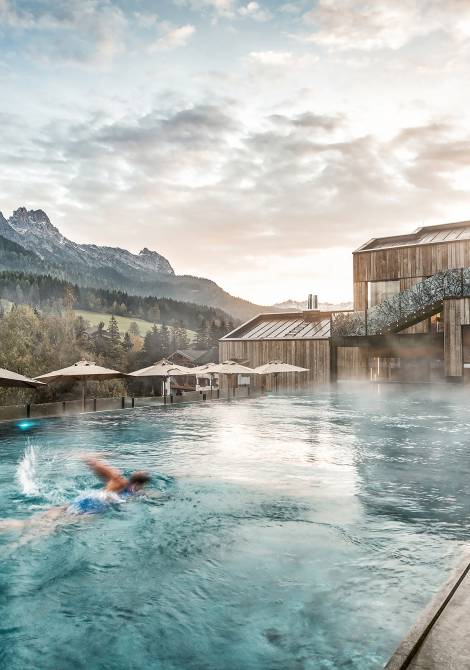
290,532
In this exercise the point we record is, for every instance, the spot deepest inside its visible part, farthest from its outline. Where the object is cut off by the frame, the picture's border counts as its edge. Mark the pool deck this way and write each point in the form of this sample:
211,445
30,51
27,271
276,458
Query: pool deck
440,638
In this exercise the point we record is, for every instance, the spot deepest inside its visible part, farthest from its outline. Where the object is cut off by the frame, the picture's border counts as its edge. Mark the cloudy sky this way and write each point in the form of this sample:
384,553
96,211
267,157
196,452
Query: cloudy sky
255,142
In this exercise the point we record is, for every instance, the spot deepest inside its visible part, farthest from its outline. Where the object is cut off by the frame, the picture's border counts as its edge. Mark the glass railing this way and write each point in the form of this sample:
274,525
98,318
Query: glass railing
404,308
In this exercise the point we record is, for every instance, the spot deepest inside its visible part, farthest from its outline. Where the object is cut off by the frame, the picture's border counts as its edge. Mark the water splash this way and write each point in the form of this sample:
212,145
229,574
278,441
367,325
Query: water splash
26,472
37,476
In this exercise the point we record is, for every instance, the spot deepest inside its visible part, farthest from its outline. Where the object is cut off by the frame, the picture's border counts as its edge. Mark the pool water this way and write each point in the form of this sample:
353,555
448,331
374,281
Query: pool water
289,533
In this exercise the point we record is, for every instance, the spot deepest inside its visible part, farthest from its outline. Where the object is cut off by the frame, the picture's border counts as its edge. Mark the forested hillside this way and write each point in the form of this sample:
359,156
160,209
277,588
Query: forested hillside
45,291
36,246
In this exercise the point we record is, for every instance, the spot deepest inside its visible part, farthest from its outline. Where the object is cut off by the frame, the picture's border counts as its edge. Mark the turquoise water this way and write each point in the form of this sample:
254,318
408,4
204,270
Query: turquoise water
291,533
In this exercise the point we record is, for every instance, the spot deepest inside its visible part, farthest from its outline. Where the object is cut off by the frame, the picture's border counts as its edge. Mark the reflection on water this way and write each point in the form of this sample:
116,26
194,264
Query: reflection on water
291,532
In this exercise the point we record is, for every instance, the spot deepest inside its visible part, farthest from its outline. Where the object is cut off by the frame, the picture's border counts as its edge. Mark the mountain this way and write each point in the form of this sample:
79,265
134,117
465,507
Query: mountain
34,231
41,248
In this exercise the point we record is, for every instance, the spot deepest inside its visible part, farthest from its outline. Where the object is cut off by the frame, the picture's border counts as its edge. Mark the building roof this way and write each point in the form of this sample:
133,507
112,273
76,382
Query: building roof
199,356
446,232
308,325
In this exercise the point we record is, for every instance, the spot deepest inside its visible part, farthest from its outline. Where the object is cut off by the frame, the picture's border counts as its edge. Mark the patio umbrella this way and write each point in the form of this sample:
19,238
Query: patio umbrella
10,379
82,371
276,368
232,368
206,370
164,369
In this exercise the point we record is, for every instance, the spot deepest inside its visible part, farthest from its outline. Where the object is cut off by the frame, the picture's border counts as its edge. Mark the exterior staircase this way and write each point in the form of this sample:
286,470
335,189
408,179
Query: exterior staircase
405,309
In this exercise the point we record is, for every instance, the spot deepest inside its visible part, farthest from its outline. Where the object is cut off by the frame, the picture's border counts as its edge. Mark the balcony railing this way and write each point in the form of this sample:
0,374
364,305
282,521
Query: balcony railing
406,308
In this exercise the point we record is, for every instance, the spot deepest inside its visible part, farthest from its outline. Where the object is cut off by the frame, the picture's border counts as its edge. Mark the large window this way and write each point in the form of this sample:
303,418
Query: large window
381,290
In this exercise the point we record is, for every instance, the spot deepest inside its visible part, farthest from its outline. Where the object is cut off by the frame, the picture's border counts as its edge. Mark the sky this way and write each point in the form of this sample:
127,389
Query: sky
254,142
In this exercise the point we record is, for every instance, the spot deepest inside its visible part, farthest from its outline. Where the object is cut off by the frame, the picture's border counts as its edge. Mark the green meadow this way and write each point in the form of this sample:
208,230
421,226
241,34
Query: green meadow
124,322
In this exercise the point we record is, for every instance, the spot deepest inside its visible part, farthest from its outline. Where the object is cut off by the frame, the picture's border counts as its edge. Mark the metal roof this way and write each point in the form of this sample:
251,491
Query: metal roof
448,232
292,326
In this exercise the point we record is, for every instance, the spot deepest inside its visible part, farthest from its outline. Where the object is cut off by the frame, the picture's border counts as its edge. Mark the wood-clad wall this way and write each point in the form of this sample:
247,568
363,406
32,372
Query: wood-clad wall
311,354
420,260
456,315
360,295
353,363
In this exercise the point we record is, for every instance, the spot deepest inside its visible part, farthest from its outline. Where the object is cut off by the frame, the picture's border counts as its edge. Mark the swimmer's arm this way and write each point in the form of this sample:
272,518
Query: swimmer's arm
105,471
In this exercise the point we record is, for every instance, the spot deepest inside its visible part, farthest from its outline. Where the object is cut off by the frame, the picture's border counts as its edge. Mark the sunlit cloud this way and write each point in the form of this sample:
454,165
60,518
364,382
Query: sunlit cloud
172,37
255,143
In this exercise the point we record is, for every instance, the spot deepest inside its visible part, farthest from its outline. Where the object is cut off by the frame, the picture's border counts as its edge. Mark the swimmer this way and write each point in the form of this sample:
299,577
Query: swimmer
117,489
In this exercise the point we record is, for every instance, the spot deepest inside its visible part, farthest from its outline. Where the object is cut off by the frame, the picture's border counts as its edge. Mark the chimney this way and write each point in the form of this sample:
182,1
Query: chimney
312,302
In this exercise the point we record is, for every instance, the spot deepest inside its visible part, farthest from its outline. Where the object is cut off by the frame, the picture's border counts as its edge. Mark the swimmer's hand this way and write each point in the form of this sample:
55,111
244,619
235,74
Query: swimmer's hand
114,480
86,456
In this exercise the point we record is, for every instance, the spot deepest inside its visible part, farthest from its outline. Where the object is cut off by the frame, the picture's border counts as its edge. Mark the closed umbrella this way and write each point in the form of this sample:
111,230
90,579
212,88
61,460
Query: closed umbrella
82,371
10,379
276,368
164,369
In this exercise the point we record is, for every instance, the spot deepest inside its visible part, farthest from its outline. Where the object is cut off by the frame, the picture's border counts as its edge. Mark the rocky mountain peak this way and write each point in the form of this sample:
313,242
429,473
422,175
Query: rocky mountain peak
30,221
154,260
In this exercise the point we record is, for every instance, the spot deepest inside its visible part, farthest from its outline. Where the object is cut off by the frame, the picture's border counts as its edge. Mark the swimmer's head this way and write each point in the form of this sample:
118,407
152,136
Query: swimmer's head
139,479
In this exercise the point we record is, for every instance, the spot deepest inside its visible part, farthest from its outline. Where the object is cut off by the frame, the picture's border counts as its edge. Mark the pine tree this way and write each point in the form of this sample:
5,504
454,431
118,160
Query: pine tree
134,328
113,329
165,340
152,347
127,342
114,349
181,336
202,336
213,335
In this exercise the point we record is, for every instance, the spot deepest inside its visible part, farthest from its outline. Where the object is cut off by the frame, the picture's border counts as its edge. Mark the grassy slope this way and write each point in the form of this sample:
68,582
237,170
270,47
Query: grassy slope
123,321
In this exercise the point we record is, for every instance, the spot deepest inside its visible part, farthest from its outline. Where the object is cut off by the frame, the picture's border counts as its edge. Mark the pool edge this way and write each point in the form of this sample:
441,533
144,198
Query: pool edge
406,654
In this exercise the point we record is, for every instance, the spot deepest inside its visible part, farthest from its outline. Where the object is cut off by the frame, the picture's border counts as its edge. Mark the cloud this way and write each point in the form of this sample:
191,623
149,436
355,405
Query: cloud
276,58
253,10
172,37
228,9
303,182
221,8
385,24
75,30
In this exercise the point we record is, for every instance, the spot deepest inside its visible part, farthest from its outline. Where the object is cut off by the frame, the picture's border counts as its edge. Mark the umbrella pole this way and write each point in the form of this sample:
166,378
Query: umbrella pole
210,383
83,394
164,390
276,380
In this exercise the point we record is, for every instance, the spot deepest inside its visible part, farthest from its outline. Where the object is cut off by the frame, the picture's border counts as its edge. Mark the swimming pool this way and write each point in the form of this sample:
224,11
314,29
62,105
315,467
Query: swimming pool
292,533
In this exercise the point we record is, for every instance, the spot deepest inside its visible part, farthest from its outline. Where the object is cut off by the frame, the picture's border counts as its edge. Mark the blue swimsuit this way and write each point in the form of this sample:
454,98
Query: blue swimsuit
97,502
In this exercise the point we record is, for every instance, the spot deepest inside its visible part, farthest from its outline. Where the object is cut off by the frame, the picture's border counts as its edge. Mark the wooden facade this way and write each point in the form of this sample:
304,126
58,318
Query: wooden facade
405,263
456,315
421,352
352,364
411,259
311,354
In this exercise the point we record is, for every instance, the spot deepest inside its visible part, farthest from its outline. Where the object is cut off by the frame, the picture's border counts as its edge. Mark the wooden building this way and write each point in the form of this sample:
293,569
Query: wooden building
300,338
191,358
410,321
388,266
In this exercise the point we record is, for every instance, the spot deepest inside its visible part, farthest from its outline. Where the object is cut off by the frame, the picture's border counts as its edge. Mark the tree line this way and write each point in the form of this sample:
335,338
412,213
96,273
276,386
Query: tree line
46,291
34,341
